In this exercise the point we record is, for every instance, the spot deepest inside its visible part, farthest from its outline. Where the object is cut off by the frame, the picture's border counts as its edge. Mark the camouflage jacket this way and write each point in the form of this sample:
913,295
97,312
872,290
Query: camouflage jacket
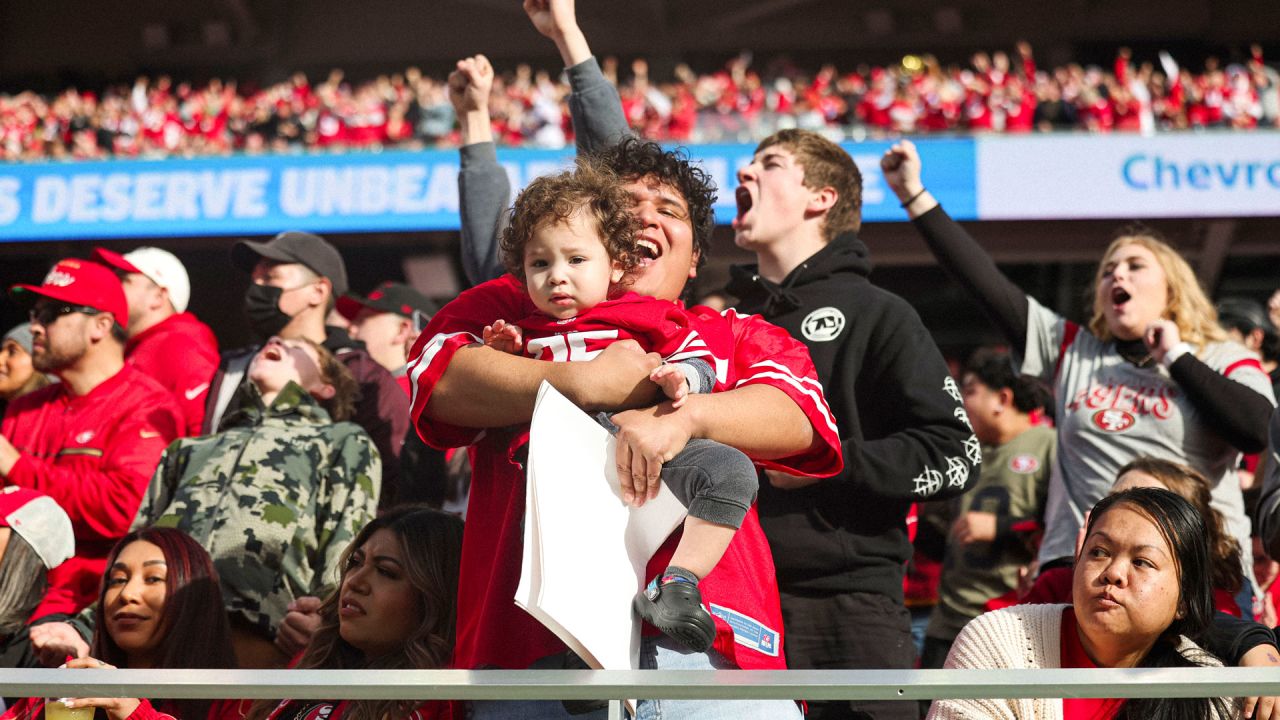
275,497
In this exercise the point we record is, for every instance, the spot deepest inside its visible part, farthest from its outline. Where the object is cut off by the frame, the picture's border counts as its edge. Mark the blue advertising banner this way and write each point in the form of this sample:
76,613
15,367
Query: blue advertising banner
357,192
949,172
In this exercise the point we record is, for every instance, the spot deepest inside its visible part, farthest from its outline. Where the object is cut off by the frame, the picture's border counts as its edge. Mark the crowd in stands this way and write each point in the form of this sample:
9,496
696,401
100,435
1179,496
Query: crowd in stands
164,505
743,102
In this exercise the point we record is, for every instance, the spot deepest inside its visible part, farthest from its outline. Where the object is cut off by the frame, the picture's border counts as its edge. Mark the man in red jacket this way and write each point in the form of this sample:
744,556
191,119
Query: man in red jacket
91,441
165,341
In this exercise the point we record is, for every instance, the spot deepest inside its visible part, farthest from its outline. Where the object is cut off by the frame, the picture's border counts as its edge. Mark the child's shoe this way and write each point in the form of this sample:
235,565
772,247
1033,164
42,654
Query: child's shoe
673,604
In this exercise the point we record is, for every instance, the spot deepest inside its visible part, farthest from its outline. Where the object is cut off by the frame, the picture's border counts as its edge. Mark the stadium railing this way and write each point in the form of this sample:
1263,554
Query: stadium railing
618,684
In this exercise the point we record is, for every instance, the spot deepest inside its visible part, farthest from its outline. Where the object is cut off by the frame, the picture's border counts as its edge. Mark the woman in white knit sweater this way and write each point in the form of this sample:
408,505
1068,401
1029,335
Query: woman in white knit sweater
1140,599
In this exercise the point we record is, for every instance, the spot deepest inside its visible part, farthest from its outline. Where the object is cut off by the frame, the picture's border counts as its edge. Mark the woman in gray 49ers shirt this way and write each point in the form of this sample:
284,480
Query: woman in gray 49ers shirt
1150,374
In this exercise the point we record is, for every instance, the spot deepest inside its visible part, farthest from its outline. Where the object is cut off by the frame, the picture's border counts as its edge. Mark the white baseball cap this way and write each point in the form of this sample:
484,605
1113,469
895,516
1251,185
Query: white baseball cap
40,521
159,266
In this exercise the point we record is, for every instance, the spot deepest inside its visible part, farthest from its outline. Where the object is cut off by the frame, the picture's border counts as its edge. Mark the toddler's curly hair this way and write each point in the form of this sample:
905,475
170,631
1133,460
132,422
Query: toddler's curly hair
590,188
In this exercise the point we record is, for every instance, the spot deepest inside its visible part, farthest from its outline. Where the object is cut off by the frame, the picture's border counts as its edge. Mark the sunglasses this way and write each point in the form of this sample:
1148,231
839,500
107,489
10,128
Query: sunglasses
48,314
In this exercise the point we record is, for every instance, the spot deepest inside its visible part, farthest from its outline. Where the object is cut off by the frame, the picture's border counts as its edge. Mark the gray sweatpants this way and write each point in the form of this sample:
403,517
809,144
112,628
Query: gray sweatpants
713,481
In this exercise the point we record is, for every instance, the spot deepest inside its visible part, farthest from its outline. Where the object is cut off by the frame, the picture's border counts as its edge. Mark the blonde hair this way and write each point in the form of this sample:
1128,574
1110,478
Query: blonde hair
1188,306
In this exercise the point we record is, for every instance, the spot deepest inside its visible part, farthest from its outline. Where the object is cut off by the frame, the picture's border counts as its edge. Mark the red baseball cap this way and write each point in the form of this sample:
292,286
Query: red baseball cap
80,282
392,297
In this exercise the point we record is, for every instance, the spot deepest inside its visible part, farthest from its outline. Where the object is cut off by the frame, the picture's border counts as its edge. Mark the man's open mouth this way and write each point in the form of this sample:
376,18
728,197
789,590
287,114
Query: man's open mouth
648,250
743,196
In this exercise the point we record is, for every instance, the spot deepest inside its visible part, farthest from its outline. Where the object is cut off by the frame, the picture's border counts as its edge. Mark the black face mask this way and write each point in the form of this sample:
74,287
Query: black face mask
262,305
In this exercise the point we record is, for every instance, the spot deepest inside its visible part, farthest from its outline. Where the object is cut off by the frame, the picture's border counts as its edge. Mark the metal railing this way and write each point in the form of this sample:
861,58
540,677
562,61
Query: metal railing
666,684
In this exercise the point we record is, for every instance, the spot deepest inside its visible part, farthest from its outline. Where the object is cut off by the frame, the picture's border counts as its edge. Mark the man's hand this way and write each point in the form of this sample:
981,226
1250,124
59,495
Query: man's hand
115,708
647,438
617,378
54,641
552,18
503,337
299,624
974,527
787,481
556,20
469,87
470,84
9,456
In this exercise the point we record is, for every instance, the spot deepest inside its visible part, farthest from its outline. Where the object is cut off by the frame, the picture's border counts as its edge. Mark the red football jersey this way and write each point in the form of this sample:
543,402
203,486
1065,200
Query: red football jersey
741,592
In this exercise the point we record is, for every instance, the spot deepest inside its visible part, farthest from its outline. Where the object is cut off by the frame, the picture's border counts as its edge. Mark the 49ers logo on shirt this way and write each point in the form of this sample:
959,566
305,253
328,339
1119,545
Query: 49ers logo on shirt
1113,421
1024,464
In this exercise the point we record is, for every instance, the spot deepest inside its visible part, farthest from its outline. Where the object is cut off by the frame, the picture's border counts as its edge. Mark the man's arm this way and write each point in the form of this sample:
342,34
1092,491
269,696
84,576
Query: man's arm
483,186
921,445
101,502
776,412
598,120
651,436
482,387
930,451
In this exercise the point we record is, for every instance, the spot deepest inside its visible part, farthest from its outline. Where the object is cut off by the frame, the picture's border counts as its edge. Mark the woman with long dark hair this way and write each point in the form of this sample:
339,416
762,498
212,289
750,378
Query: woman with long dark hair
394,608
160,607
1140,599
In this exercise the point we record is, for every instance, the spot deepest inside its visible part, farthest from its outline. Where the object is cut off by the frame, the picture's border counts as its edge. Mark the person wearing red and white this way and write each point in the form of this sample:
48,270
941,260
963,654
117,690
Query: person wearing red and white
466,393
165,341
92,441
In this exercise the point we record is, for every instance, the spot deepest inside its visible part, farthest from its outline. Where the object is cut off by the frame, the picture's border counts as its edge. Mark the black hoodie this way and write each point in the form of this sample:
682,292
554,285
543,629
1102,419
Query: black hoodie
902,425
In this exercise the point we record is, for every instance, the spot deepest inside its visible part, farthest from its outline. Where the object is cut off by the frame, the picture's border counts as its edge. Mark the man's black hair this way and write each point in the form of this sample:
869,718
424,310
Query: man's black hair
633,159
994,369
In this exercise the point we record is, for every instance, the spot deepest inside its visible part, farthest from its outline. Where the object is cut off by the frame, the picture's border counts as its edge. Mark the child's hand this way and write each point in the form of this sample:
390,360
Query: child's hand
503,336
673,382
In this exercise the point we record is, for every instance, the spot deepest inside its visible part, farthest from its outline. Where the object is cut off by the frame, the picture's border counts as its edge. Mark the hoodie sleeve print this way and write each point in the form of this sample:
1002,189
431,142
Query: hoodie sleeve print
765,354
926,449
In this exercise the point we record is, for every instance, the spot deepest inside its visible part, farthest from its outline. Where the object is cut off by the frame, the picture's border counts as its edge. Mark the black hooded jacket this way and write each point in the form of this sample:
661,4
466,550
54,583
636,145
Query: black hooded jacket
902,425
